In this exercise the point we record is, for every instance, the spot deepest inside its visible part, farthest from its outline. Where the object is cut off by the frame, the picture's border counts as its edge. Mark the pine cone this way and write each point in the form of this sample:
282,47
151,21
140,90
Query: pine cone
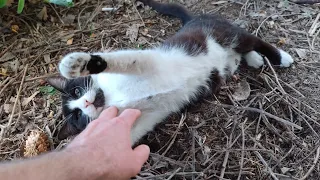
36,143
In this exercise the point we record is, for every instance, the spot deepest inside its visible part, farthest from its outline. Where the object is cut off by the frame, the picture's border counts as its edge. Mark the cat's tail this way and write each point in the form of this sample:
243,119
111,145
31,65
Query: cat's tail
170,9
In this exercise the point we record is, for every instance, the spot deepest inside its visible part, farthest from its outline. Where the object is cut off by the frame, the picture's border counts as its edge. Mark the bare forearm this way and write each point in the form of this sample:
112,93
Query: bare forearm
56,165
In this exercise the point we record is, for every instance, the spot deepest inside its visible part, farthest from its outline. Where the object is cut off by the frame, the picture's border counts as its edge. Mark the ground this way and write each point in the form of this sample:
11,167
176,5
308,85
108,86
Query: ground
264,125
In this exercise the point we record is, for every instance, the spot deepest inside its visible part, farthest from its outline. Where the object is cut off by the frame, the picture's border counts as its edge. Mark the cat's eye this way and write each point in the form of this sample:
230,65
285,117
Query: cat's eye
77,92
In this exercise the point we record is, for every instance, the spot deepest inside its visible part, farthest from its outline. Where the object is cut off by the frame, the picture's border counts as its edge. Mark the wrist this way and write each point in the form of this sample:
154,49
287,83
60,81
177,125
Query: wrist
82,164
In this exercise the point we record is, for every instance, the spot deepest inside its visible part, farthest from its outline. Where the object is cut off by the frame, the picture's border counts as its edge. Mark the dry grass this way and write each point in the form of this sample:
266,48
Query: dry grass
272,134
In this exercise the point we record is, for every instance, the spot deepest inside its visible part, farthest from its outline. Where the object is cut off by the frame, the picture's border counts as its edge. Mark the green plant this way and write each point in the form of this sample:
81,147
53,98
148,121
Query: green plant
21,3
20,6
3,3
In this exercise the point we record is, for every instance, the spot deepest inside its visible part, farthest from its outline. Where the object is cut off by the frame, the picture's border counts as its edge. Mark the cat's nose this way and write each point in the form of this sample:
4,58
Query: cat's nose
87,103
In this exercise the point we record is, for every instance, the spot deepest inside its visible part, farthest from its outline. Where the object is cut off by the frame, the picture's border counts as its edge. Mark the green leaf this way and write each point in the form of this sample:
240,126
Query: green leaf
3,3
20,6
67,3
48,90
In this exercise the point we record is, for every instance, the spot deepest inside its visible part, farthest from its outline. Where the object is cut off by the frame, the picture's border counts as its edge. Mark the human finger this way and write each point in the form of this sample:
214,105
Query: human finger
141,155
108,113
130,115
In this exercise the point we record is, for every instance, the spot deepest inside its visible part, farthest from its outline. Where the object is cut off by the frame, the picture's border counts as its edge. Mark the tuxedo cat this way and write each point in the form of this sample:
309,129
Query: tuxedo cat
162,80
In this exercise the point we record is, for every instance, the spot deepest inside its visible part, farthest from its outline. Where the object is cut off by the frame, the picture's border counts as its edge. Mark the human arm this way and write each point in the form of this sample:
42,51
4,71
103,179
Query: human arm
102,151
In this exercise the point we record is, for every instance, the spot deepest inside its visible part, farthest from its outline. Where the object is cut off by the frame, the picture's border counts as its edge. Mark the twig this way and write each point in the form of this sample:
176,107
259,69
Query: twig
313,27
275,76
36,78
314,39
7,49
242,152
183,117
175,172
210,165
313,165
144,24
15,103
193,153
261,112
56,13
288,85
266,165
226,157
263,23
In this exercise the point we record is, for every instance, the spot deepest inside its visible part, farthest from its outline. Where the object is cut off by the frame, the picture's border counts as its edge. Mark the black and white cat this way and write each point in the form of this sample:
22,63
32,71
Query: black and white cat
161,80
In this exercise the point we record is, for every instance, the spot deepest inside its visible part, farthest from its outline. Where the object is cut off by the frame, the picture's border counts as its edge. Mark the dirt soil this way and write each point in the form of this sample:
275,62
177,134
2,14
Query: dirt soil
265,125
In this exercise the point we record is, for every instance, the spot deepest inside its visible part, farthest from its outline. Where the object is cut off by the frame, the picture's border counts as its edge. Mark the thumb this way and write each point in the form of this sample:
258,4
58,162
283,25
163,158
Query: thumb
141,154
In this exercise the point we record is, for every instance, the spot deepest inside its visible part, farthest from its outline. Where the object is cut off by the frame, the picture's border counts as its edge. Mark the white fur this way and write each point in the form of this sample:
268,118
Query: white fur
254,59
286,59
170,77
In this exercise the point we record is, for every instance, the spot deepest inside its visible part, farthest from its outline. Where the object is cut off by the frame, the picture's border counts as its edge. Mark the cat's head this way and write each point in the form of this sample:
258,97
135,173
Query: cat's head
82,102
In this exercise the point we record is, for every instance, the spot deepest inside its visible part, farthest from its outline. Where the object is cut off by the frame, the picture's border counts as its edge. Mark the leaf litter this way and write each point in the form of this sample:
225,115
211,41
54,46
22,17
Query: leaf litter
228,136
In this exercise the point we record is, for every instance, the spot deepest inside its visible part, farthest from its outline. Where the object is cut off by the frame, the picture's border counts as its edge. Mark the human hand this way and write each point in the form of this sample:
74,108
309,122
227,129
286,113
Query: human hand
105,146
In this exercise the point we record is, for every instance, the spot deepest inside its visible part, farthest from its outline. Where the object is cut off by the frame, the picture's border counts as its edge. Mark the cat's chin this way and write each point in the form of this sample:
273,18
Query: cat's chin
94,112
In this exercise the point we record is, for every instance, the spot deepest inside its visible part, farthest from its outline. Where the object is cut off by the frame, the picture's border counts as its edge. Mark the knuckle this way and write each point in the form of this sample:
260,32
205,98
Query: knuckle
120,120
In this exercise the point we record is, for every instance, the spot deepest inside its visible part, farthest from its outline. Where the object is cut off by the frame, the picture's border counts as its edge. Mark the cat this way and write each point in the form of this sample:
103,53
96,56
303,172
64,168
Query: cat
161,80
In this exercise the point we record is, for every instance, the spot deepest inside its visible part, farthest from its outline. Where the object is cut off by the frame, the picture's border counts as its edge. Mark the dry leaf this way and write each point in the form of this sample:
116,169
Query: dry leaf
52,68
7,108
242,92
15,28
70,41
281,42
12,99
50,115
9,3
132,32
69,19
27,100
3,72
65,36
301,53
285,170
47,58
43,15
142,40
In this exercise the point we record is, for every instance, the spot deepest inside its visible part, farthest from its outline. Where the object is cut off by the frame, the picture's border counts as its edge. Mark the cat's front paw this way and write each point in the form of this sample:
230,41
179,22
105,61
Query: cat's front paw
81,64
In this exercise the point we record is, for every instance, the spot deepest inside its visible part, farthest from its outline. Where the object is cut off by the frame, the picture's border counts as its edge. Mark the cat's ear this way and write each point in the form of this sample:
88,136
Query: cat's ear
67,130
58,82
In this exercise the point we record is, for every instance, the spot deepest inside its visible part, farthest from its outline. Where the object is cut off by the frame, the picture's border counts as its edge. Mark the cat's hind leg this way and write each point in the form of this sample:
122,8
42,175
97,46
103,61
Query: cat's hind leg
254,59
286,59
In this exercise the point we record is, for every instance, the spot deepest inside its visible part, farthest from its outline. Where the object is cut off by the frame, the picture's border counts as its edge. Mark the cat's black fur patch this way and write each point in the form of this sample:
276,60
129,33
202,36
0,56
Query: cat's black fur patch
223,31
193,41
100,99
96,64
